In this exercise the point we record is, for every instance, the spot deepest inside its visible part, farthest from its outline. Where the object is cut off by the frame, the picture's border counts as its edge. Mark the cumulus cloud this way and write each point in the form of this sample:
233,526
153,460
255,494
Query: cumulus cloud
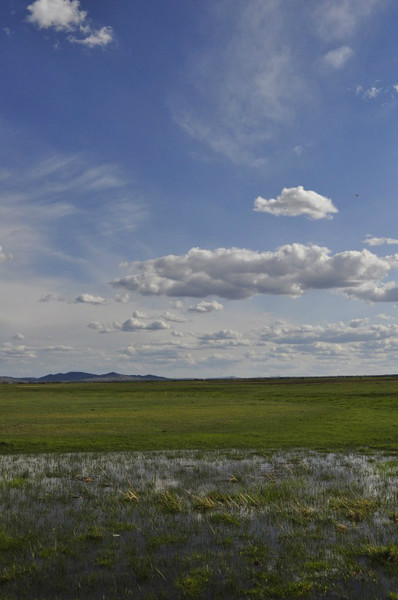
237,273
67,16
206,307
338,57
294,202
4,256
223,334
63,15
374,293
168,316
137,325
379,241
89,299
132,324
282,332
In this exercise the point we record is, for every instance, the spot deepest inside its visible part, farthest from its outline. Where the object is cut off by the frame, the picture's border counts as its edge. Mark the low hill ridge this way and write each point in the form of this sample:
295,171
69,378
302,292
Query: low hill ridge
76,376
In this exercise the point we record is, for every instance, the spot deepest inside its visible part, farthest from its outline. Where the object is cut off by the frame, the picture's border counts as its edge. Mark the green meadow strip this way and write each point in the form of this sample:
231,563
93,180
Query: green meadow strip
334,413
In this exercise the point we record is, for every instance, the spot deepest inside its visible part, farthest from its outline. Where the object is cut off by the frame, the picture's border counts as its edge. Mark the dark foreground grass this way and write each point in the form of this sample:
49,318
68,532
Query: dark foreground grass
315,413
235,525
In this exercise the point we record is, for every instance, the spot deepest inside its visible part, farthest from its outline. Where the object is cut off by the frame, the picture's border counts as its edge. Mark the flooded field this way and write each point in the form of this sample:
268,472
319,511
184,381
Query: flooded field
190,524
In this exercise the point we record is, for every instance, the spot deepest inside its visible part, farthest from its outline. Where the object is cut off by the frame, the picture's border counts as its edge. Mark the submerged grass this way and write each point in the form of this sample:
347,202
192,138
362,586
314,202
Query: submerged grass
288,524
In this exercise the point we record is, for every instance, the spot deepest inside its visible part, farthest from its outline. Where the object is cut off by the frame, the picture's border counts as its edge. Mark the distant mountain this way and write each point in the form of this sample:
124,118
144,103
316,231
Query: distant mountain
76,376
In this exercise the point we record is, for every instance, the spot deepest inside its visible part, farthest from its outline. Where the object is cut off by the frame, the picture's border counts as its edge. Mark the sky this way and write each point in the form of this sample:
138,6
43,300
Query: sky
199,189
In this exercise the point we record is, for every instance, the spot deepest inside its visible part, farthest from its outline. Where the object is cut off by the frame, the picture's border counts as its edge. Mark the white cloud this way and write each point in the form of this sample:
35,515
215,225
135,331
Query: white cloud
137,325
90,299
294,202
206,307
61,14
379,241
122,298
4,256
138,314
132,324
372,92
52,298
239,273
376,293
101,37
223,334
168,316
282,332
338,57
67,16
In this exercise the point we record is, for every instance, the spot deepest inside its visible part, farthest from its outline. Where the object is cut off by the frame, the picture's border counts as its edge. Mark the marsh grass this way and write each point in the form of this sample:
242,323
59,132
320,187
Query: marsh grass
233,525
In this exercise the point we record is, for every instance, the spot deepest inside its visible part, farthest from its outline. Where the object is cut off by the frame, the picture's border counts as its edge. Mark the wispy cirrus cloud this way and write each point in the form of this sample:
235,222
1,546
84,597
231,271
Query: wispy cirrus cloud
249,88
294,202
242,91
66,207
67,16
342,19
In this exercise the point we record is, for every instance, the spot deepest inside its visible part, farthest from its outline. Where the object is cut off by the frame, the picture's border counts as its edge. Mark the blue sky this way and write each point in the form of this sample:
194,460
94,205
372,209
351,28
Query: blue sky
199,189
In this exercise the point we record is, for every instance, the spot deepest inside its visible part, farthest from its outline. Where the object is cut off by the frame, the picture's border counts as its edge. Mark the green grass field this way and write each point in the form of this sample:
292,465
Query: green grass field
319,413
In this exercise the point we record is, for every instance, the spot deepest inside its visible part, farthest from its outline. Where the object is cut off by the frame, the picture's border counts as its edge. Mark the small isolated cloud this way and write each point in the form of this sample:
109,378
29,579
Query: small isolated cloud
62,15
137,325
122,298
168,316
369,93
206,307
294,202
4,256
336,59
102,37
372,92
132,324
89,299
223,334
18,336
379,241
67,16
52,298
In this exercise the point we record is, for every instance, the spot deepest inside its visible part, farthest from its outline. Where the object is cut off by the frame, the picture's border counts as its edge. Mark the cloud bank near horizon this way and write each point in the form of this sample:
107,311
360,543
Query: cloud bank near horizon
238,273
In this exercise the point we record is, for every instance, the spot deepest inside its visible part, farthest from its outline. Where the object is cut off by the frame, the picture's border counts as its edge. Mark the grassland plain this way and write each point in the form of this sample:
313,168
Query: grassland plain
318,413
237,490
